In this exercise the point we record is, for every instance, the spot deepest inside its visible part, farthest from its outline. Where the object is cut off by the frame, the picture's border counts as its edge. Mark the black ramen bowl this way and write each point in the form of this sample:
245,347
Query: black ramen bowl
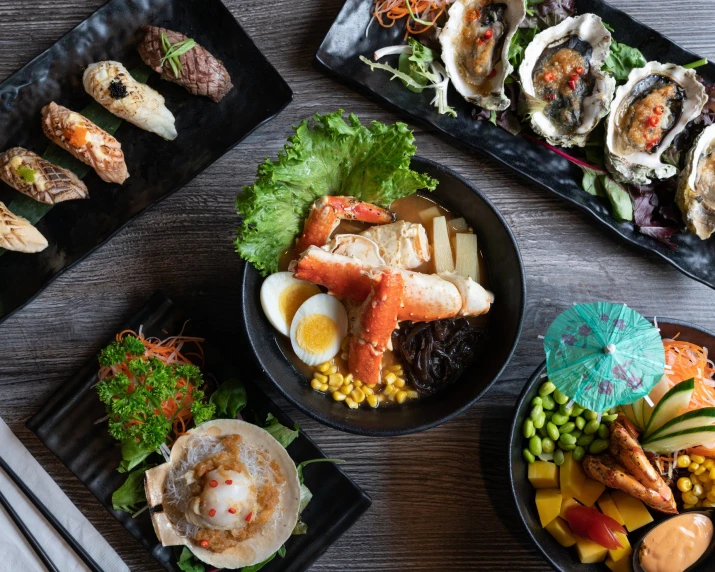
561,558
506,272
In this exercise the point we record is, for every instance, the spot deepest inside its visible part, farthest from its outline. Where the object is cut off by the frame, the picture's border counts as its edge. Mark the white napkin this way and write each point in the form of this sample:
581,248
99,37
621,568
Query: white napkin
15,553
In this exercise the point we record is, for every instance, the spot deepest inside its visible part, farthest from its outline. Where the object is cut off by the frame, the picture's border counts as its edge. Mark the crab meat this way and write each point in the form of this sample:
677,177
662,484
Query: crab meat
327,212
356,246
402,244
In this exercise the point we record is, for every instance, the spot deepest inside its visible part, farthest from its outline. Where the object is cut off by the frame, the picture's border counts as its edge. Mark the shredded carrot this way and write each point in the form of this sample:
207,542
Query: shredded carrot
683,361
388,12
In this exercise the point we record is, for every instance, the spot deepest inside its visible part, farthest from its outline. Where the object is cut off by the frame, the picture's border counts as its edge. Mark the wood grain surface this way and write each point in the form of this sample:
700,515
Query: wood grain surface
441,498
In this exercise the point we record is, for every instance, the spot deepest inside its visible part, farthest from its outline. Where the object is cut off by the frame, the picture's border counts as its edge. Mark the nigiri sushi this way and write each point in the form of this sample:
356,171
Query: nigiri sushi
183,61
35,177
16,233
89,143
114,88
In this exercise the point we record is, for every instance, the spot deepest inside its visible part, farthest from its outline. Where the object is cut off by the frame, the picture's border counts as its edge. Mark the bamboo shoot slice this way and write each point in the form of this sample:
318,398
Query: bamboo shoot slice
443,260
467,256
458,225
427,215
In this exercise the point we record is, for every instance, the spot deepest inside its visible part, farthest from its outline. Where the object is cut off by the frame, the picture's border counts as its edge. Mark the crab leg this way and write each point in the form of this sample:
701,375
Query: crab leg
377,320
327,212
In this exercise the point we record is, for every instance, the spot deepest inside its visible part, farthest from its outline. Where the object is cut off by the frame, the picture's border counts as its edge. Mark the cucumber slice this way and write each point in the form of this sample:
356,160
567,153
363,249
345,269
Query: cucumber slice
673,404
699,436
627,410
637,411
692,419
656,395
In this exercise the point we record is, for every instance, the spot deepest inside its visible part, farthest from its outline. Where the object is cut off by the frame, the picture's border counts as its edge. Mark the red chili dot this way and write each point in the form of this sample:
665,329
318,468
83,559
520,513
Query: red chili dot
479,41
213,484
574,77
651,144
212,512
229,482
248,518
580,70
572,84
488,34
653,120
659,109
204,544
232,510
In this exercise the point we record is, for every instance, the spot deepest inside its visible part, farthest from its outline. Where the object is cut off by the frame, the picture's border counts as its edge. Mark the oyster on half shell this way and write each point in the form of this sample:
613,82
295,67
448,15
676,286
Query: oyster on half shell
475,48
696,186
563,87
649,111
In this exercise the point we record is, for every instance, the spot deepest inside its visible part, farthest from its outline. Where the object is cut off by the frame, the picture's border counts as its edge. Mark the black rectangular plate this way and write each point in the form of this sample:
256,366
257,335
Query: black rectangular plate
66,425
346,40
157,168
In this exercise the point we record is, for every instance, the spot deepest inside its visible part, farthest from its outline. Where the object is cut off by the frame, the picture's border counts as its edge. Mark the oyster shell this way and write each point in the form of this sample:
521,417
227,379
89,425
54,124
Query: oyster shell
475,48
696,186
647,114
563,87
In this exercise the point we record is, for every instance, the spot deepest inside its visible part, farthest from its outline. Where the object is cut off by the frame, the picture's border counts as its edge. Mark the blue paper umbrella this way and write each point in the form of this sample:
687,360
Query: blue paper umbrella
602,355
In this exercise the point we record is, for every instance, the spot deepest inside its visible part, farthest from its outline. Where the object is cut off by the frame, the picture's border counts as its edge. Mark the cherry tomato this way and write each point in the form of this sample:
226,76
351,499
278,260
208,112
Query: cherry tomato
589,523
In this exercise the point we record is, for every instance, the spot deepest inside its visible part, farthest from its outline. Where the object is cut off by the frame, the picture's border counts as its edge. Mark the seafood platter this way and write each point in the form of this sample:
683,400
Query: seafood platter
574,95
625,482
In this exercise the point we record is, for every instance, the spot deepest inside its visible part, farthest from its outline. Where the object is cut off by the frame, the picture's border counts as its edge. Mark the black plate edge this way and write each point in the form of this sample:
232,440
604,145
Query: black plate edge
515,429
425,426
281,85
608,222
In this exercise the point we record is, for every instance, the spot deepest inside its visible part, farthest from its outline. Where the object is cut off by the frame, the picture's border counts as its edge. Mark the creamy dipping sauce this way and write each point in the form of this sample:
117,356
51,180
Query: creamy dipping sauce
676,544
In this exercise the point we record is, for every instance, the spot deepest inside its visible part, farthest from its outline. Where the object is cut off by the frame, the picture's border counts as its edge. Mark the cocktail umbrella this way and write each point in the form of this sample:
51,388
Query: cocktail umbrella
603,354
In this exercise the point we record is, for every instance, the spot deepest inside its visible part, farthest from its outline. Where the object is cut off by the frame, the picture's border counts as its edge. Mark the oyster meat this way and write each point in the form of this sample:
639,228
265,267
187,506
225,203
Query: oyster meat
649,111
563,88
475,48
696,186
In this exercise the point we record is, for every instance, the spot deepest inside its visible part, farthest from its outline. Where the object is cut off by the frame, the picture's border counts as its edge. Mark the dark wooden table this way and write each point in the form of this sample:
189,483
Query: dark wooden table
441,498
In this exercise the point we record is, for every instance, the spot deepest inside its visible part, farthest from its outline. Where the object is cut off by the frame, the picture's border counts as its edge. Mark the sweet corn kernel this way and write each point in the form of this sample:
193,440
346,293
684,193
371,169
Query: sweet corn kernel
323,387
320,377
690,498
315,384
399,382
371,385
698,490
412,394
349,378
337,396
390,378
388,390
699,459
395,368
711,496
401,396
699,471
332,369
346,389
367,391
687,506
683,461
684,484
372,400
357,383
351,403
357,395
708,503
712,474
705,477
335,379
709,464
323,367
695,479
693,467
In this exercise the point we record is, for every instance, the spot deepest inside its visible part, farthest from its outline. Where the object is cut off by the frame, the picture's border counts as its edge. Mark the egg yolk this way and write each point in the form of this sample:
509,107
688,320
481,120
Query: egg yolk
293,297
315,333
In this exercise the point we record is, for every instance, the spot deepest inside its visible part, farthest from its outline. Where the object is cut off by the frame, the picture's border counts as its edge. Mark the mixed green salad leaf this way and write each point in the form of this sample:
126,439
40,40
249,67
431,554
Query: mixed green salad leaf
326,156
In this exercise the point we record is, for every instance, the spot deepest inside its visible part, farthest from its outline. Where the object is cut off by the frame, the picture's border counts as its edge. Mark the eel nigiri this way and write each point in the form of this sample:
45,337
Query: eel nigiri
88,142
115,89
194,68
35,177
18,234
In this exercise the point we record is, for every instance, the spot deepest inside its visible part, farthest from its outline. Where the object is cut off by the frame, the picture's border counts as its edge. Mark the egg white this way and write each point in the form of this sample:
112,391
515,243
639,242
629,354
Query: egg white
320,304
271,291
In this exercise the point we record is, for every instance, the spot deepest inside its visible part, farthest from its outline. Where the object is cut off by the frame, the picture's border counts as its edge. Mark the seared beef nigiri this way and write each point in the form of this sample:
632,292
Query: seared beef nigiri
89,143
18,234
30,174
115,89
195,69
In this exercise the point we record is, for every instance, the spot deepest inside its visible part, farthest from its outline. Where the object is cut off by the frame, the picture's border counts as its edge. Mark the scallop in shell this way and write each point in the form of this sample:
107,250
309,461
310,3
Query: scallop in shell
696,186
475,48
563,88
649,111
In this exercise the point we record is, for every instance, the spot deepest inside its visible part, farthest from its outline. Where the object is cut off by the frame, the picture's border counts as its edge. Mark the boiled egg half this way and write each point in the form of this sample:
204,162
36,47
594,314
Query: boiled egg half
281,296
318,329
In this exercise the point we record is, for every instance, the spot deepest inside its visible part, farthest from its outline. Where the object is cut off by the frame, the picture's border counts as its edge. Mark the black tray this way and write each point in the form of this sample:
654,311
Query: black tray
346,40
157,168
65,424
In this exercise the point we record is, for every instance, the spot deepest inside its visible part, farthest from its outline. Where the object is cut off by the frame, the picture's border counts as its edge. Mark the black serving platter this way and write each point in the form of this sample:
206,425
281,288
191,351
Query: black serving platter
565,559
506,272
66,425
157,168
346,40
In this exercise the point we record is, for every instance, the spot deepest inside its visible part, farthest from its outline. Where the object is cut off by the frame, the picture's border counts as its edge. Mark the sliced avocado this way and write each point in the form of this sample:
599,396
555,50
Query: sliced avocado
692,419
673,404
699,436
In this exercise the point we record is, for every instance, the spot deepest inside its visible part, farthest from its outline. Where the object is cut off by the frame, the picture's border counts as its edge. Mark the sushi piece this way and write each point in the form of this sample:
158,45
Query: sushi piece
30,174
183,61
18,234
115,89
89,143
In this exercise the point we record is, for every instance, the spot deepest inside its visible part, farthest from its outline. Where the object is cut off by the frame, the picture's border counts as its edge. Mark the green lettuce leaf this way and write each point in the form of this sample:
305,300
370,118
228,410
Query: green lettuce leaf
230,398
280,432
188,562
326,156
622,60
131,493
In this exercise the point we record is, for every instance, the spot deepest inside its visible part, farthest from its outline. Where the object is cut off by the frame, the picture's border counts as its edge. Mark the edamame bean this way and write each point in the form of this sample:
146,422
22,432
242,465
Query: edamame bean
576,433
553,431
528,430
547,445
536,410
546,388
567,427
579,453
585,440
558,457
558,419
540,420
528,457
603,431
609,418
565,410
560,398
567,439
536,401
580,423
535,445
577,410
548,415
598,446
589,415
548,402
565,447
591,427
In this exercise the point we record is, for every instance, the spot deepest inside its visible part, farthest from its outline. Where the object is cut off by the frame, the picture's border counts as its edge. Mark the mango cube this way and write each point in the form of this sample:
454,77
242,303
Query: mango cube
608,507
633,511
548,503
618,554
544,475
559,529
576,484
624,565
590,552
567,503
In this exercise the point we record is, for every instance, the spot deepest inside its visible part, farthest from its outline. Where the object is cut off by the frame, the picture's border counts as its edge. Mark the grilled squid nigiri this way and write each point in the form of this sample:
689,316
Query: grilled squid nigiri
115,89
18,234
89,143
196,69
30,174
